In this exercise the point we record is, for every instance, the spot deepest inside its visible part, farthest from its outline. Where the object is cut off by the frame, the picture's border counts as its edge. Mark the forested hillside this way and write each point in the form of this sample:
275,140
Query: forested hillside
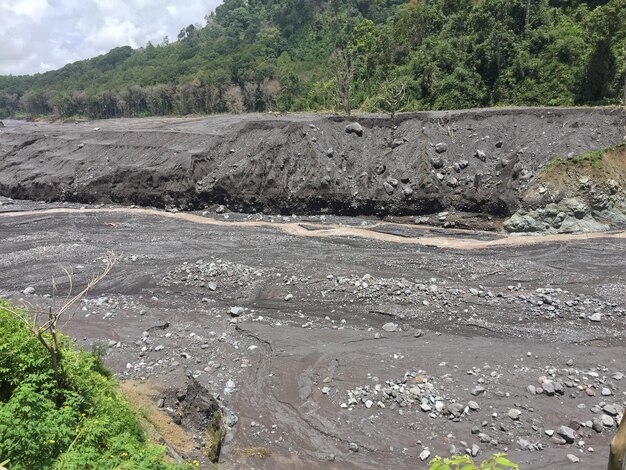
292,55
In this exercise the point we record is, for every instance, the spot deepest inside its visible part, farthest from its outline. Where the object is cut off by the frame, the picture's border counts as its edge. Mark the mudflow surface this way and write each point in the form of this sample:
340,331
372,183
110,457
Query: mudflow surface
339,342
332,340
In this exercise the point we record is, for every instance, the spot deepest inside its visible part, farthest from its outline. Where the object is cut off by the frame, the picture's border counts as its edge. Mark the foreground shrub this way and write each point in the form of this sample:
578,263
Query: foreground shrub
78,420
495,462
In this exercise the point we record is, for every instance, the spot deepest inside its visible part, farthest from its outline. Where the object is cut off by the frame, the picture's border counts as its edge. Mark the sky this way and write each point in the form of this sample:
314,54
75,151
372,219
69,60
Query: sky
41,35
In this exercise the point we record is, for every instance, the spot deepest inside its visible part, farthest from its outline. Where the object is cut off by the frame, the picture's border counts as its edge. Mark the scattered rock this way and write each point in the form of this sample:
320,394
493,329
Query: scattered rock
607,421
230,387
514,414
548,388
441,147
437,163
572,458
236,311
478,390
354,128
397,143
567,433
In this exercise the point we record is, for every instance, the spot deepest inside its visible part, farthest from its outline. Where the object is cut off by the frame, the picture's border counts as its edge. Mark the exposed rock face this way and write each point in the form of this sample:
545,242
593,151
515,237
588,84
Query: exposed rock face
580,198
568,216
479,161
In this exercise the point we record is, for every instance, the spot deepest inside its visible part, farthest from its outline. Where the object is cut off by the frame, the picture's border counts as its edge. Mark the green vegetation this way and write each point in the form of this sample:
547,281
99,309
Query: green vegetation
495,462
593,159
392,55
76,420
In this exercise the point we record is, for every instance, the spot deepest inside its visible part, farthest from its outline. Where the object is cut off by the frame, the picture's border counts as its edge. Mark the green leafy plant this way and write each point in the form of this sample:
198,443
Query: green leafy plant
59,407
465,462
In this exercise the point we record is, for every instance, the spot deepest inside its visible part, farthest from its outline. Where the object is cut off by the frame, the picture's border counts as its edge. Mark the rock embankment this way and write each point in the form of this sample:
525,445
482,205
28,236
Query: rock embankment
475,161
587,194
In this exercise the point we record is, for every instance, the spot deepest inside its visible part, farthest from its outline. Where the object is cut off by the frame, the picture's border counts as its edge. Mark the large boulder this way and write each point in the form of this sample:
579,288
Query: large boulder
519,223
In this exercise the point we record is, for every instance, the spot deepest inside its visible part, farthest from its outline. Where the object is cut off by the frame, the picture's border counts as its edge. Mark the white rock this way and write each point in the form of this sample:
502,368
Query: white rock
572,458
514,414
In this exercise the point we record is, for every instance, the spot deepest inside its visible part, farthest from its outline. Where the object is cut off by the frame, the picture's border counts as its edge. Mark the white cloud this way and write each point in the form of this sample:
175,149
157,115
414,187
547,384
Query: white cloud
40,35
34,9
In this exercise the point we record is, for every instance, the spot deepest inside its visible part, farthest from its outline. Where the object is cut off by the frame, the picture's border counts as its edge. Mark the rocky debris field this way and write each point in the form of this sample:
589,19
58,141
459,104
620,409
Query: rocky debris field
475,166
345,343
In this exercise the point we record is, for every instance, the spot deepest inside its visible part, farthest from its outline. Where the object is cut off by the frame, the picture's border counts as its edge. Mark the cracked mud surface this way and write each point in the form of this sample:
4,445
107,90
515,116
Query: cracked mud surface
314,344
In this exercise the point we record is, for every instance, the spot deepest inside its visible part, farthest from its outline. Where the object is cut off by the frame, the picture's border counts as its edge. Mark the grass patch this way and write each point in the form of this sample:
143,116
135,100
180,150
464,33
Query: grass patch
600,166
592,159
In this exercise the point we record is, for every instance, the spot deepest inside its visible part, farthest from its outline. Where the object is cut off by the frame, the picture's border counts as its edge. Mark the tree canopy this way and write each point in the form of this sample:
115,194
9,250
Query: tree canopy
293,55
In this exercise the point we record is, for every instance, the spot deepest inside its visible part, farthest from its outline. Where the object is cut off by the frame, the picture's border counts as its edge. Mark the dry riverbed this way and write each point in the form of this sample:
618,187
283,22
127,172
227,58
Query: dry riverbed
344,342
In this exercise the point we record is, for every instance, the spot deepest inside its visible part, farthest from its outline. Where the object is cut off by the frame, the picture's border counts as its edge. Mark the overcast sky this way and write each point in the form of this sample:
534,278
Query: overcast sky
40,35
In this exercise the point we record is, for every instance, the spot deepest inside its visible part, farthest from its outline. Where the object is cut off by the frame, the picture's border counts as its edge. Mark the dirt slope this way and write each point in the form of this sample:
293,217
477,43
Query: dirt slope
485,161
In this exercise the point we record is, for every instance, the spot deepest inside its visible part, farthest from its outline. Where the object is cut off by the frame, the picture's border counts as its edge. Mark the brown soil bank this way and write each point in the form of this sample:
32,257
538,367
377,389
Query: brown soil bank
481,161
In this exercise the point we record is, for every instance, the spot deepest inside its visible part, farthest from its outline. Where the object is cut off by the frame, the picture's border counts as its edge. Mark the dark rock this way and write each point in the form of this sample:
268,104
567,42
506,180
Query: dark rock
437,163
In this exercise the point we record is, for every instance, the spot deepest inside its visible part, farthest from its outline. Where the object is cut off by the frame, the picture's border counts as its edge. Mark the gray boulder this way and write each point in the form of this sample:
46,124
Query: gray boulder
354,128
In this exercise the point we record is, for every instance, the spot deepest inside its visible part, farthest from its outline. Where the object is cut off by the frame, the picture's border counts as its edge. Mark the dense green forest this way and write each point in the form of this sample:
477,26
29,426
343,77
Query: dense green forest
390,55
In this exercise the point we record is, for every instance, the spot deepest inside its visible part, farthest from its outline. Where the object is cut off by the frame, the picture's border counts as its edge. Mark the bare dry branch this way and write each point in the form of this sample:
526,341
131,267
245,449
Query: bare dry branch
111,260
47,333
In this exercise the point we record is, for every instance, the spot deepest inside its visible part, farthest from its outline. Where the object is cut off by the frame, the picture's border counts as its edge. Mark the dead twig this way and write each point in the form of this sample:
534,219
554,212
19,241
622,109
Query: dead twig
47,333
